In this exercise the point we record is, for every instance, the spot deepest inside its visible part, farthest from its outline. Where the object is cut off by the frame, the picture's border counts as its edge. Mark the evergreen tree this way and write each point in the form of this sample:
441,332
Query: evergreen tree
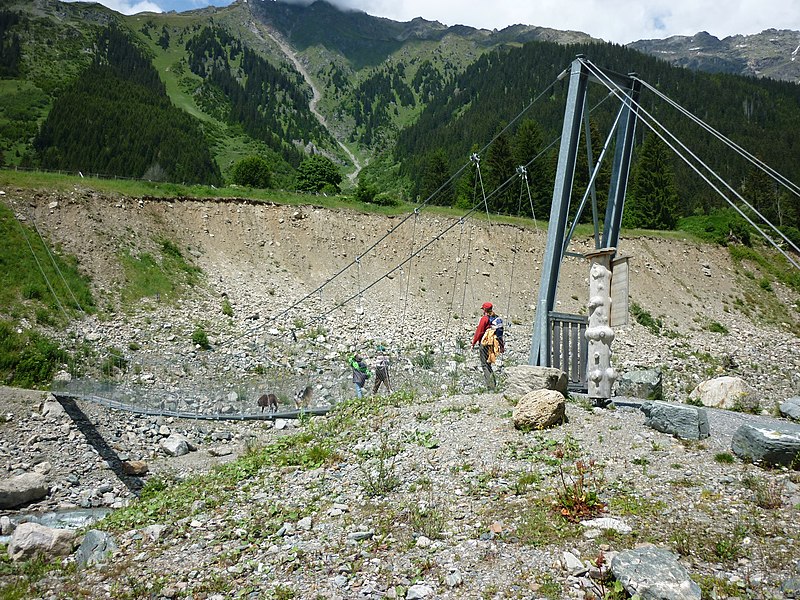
652,200
761,191
436,175
468,191
496,169
583,173
527,145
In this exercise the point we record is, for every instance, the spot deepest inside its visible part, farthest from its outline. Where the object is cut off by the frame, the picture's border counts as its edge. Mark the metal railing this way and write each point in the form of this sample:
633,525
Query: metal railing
569,348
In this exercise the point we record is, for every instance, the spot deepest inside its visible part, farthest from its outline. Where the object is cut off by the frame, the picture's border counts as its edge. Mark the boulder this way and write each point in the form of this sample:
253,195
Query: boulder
790,408
136,468
654,574
31,539
731,393
52,409
539,409
641,383
22,489
681,420
176,445
524,378
774,445
96,547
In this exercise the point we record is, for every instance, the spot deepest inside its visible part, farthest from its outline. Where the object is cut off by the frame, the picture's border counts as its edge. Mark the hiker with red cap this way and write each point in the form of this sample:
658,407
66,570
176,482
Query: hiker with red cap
490,335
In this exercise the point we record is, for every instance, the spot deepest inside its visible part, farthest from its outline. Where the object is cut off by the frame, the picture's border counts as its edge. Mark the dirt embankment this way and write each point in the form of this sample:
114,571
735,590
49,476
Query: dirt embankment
266,257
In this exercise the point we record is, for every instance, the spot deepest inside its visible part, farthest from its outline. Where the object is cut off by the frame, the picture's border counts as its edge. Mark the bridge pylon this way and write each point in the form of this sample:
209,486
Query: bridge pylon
606,235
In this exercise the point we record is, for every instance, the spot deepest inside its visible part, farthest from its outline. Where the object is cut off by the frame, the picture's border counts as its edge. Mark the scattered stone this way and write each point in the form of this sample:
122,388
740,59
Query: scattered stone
22,489
790,408
641,383
522,379
681,420
96,547
454,579
52,409
358,536
136,468
654,574
776,445
416,592
572,564
175,445
539,409
606,523
220,451
31,539
731,393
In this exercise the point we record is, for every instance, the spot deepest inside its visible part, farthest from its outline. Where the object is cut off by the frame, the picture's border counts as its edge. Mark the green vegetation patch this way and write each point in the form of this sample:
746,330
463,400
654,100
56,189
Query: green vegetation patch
36,282
163,279
27,359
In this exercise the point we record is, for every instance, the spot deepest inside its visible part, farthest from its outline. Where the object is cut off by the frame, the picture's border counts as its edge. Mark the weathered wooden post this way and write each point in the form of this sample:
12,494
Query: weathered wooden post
600,374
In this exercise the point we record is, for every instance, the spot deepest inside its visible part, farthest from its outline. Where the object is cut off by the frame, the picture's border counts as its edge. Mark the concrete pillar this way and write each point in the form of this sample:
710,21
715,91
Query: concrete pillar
599,334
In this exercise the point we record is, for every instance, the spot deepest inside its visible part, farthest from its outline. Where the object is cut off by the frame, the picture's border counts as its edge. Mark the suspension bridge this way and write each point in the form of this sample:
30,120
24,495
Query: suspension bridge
129,380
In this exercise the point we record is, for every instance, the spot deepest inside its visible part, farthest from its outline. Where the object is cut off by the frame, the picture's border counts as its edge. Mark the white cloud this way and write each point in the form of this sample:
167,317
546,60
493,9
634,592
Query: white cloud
619,21
131,8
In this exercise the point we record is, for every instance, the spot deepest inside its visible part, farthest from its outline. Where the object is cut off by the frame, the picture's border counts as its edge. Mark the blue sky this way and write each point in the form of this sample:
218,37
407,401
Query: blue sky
619,21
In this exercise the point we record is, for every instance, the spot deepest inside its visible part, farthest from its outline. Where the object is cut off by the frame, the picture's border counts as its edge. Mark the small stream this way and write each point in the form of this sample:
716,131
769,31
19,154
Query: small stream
73,518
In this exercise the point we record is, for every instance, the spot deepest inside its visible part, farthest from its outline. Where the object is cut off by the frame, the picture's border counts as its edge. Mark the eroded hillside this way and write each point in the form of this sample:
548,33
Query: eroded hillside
714,314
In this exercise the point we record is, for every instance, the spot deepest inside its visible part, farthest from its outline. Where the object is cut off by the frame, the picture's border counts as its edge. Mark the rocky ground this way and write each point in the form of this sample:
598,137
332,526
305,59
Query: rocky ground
468,514
436,496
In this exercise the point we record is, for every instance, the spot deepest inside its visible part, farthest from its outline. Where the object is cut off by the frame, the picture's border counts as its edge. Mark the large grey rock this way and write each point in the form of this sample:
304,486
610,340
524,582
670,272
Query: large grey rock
524,378
31,539
791,408
654,574
539,409
52,409
176,445
731,393
22,489
641,383
681,420
775,445
96,547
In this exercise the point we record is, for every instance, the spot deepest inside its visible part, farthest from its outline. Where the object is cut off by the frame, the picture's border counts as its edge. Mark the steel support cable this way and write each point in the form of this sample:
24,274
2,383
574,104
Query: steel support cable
391,271
55,264
424,204
455,277
793,187
360,309
523,175
474,209
789,185
477,160
558,78
591,166
542,94
590,186
41,269
421,249
653,123
641,109
408,278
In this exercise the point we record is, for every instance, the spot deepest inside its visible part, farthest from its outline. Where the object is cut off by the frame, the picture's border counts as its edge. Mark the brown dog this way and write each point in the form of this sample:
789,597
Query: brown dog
303,398
268,401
